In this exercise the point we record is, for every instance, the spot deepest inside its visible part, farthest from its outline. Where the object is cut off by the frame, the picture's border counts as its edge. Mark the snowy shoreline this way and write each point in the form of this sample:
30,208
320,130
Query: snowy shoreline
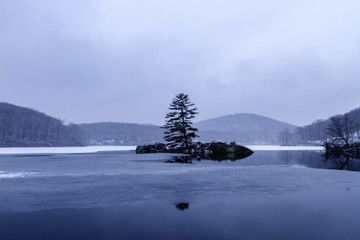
284,148
94,149
59,150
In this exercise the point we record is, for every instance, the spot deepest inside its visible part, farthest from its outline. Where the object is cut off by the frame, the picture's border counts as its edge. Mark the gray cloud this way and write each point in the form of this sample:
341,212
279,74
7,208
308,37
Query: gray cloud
91,61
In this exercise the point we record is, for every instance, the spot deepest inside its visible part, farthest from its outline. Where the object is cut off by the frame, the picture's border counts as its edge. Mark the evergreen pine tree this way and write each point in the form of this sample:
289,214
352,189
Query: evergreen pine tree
179,132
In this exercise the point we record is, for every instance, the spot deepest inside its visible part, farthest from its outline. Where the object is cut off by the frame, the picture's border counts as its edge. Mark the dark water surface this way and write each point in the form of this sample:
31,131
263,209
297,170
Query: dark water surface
270,195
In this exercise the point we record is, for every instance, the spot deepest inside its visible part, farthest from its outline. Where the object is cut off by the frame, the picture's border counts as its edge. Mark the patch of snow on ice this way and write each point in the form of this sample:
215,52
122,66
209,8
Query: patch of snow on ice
15,174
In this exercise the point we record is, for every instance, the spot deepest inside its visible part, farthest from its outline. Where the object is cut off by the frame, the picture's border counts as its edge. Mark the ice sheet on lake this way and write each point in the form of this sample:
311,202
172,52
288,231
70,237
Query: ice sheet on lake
56,150
284,148
32,183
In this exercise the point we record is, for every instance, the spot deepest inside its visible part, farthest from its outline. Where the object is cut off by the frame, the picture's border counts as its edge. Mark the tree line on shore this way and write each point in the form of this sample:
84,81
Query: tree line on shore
338,129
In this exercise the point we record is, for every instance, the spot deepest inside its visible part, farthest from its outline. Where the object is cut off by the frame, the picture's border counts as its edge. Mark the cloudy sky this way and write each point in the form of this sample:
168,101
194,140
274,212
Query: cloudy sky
114,60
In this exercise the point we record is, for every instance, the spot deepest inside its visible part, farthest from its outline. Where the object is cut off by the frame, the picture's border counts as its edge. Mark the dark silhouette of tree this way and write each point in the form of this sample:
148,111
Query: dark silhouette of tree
341,127
179,132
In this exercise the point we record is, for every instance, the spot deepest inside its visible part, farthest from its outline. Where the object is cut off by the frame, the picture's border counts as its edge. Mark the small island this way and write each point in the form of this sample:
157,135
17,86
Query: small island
180,135
212,151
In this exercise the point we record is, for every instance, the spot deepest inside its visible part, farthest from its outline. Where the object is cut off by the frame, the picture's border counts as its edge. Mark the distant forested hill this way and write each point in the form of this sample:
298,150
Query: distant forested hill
112,133
244,128
21,126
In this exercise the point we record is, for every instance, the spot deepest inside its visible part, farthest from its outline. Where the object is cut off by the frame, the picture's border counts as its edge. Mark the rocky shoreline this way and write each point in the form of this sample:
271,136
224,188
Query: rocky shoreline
213,150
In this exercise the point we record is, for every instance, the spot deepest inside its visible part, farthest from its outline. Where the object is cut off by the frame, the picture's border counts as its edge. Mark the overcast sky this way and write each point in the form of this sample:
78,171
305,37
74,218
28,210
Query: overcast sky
114,60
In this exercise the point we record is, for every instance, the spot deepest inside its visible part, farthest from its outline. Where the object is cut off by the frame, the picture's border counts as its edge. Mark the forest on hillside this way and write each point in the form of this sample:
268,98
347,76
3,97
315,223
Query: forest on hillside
21,126
320,130
26,127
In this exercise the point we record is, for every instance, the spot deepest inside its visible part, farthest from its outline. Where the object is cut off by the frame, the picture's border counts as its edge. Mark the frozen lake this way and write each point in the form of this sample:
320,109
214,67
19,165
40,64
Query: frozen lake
277,194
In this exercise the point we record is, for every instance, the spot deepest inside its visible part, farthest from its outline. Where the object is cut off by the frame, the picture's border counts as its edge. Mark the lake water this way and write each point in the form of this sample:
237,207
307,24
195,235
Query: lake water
122,195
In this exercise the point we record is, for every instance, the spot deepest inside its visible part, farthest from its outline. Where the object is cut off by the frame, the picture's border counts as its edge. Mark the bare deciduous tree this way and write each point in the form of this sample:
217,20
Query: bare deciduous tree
341,127
285,137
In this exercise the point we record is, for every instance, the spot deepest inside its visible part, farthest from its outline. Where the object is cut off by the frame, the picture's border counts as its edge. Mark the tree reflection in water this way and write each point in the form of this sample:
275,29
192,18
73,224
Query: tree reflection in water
182,206
212,157
313,159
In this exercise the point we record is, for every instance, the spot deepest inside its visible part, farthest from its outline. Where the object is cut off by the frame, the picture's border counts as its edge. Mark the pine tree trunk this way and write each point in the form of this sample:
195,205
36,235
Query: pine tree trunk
183,123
